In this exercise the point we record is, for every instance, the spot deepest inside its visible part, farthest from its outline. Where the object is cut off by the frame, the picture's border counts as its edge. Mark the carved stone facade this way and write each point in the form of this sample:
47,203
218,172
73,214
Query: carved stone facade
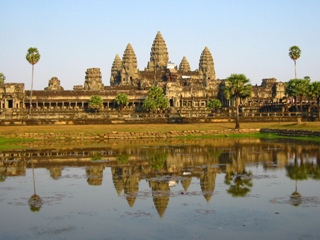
54,84
12,95
93,80
185,89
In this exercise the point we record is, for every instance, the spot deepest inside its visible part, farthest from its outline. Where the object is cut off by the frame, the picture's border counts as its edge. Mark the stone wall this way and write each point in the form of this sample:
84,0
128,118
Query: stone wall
129,135
291,133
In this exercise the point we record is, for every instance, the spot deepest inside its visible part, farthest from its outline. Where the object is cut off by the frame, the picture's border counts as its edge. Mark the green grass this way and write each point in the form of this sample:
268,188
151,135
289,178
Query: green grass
12,143
257,135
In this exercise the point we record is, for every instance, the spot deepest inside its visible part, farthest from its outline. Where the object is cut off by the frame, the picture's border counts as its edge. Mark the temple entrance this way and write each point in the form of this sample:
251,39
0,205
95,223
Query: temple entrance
10,103
171,102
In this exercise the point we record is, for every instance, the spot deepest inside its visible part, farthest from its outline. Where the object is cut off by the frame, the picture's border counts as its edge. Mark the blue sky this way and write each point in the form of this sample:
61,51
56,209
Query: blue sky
244,36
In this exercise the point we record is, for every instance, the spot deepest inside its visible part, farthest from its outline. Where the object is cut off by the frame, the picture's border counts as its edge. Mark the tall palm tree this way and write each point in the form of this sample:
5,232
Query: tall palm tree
32,57
237,87
2,78
294,53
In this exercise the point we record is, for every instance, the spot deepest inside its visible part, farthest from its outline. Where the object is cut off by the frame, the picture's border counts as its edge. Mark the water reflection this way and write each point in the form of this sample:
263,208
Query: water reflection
35,201
165,165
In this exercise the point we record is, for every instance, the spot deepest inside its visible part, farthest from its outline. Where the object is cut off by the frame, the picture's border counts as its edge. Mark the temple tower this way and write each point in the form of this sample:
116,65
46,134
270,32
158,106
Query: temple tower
129,72
93,79
116,68
206,65
159,54
184,65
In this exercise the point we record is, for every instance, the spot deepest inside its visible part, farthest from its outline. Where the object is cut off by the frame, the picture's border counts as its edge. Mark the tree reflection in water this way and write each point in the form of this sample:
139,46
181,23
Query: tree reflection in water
297,172
237,177
35,202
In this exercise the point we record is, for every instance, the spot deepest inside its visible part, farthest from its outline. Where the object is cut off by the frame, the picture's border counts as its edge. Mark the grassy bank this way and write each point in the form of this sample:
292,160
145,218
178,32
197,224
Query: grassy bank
12,143
9,134
157,128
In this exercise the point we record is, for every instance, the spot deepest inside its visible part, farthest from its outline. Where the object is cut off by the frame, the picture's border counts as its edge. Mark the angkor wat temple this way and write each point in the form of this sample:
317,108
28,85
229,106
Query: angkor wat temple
188,91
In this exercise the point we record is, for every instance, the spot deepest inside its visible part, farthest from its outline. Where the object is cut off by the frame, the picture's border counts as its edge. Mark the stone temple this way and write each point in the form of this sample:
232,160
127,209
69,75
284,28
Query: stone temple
188,91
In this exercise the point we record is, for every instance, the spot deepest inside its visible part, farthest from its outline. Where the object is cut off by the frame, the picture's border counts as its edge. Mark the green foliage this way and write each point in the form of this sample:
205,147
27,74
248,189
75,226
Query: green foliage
237,87
298,88
124,158
314,90
214,104
122,99
296,171
240,183
96,158
2,78
155,100
157,159
33,56
95,102
314,93
294,52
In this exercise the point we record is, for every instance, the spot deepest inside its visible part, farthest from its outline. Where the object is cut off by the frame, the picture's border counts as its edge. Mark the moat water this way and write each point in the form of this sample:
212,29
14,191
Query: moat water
180,189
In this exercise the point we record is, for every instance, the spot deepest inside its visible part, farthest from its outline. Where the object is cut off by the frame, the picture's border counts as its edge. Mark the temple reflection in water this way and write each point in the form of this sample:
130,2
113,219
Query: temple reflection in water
165,165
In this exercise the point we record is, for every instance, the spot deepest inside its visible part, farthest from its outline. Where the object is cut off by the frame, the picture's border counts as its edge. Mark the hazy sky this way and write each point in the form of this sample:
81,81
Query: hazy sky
249,37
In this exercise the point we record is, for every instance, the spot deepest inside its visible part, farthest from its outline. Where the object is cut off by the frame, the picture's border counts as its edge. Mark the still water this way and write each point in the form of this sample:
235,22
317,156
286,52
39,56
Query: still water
190,189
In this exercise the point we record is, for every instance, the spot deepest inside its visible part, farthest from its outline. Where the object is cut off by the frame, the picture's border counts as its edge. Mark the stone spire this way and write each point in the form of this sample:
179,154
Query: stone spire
129,66
129,59
159,53
184,65
115,77
206,65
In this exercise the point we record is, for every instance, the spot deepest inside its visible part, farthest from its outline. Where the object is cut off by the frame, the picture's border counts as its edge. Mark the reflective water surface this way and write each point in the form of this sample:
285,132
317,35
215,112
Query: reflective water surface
190,189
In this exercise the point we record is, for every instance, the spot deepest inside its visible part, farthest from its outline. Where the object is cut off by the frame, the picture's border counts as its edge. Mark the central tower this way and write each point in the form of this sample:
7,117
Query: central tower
159,54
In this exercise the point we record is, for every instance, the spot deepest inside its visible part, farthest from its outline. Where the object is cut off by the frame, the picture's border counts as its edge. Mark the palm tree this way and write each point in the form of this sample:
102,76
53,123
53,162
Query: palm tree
237,87
32,57
156,99
294,53
314,92
214,104
95,102
298,88
122,99
2,78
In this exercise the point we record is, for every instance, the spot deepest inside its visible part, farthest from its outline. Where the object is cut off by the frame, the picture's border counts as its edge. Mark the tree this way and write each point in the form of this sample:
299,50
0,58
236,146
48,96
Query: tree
2,78
32,57
155,99
122,99
214,104
314,92
294,53
95,102
237,87
298,88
